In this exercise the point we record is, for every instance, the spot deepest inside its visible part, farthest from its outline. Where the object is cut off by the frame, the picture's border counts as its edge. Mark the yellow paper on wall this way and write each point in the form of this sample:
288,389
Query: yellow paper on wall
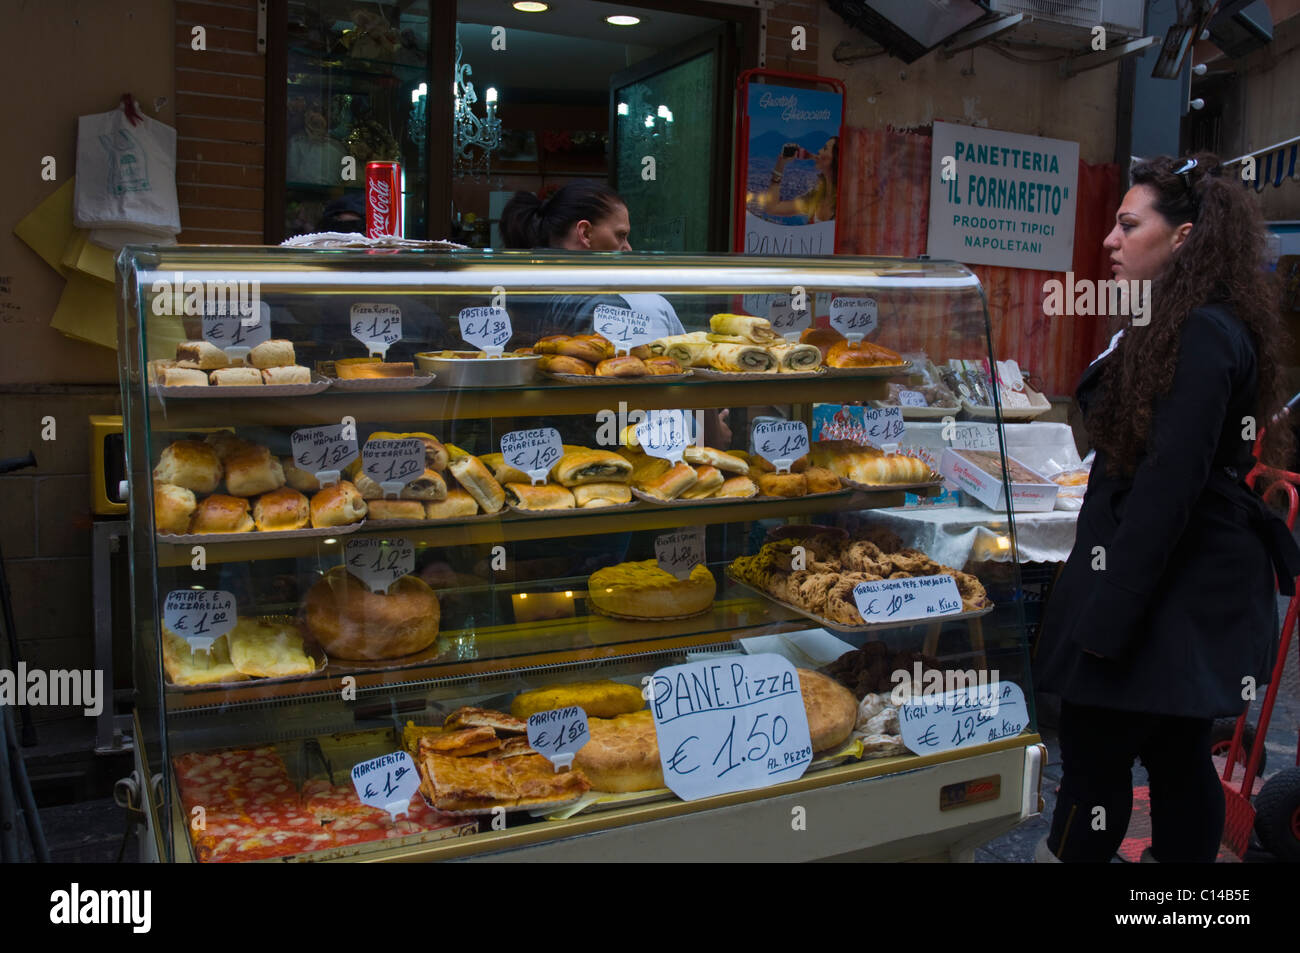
87,311
48,228
84,255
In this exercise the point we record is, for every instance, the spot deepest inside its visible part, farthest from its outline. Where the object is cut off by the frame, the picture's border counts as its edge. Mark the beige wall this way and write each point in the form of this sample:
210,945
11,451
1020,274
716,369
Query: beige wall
67,58
977,87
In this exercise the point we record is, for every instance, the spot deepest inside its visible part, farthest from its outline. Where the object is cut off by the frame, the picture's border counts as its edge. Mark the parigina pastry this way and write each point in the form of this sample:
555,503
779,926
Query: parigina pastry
643,590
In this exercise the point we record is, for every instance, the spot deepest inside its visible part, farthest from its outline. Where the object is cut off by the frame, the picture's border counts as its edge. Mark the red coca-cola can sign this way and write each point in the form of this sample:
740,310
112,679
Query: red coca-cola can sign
383,199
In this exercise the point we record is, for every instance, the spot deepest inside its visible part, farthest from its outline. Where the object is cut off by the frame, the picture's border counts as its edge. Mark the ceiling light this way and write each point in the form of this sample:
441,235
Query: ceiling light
531,6
622,21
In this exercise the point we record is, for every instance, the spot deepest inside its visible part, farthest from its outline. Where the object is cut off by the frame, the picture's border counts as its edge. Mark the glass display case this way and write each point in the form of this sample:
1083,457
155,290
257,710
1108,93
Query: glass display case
345,547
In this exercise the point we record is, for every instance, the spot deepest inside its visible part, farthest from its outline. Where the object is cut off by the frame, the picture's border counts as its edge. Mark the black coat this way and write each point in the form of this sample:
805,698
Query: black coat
1184,609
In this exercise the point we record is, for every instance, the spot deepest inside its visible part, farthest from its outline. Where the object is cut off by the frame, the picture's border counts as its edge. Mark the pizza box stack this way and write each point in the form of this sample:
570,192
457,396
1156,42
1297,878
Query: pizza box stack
977,473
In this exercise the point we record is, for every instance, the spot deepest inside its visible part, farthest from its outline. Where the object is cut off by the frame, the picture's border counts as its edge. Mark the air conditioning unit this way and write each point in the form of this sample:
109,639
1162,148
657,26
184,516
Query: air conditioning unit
1068,24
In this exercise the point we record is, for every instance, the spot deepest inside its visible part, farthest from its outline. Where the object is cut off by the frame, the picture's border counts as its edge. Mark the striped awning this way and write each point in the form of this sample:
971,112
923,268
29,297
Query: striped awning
1274,164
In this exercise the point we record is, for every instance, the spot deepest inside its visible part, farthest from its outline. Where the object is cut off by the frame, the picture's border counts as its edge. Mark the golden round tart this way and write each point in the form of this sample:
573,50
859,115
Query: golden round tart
831,708
644,591
622,754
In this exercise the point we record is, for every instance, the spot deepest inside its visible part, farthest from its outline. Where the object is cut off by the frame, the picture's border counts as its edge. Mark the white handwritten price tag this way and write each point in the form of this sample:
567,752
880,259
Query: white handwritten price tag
963,717
680,552
558,734
785,320
387,782
855,318
199,616
377,326
911,398
779,442
898,600
237,333
623,327
379,563
975,437
730,724
323,451
882,425
664,434
392,463
533,451
487,329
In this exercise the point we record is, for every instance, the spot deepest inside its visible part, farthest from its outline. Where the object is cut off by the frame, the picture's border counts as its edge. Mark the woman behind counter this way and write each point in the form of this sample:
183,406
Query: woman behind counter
1165,610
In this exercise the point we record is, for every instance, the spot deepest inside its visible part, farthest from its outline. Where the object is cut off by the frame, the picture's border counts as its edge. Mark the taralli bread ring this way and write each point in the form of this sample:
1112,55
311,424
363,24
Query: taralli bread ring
972,591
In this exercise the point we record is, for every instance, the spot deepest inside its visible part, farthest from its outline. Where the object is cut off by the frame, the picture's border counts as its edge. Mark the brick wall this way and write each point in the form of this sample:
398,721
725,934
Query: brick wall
220,115
781,21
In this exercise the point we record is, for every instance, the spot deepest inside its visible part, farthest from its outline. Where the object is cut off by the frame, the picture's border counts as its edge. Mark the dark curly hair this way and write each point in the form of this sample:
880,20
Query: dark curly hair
1221,260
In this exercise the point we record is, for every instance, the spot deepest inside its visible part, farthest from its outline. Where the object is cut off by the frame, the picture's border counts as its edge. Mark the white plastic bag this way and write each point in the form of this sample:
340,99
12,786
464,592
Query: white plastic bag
126,173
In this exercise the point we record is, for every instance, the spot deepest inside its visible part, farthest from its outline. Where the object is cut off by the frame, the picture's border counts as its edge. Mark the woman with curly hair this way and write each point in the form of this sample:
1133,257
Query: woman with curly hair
1165,611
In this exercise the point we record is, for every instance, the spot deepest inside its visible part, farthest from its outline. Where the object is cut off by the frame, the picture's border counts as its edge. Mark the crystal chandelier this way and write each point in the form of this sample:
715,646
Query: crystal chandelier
475,139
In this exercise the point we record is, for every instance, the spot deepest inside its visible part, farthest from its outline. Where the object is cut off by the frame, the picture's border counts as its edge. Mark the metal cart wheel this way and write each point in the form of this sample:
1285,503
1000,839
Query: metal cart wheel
1277,815
1221,741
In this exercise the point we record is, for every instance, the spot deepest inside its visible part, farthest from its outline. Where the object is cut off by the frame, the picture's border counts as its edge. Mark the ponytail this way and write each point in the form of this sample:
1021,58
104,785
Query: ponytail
521,221
528,222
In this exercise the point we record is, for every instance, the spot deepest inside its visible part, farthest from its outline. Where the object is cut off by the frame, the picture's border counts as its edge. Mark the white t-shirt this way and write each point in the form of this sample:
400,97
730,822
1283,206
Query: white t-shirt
657,307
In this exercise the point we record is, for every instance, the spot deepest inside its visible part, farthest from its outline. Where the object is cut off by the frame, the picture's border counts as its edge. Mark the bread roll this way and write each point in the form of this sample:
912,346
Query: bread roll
742,358
281,509
457,503
590,466
661,366
603,699
273,353
783,484
190,464
395,510
351,622
821,480
237,377
201,355
726,462
592,495
503,472
219,513
250,472
643,590
548,344
292,374
709,480
561,364
427,486
673,483
797,358
172,508
624,366
227,444
435,454
861,354
592,348
688,350
298,479
738,486
337,505
548,496
474,477
181,377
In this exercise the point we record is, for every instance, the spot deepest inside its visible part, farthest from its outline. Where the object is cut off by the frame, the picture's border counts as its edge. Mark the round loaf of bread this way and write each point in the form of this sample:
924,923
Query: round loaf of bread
190,464
643,590
337,505
281,509
172,508
219,513
351,622
621,754
253,472
831,709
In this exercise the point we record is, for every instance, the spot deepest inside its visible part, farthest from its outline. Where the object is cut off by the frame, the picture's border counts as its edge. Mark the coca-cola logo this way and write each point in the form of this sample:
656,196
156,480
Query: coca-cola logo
380,194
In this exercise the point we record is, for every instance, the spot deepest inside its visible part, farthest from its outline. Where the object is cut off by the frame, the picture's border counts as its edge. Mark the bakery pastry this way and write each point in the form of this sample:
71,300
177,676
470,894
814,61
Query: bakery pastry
660,366
219,513
548,344
468,717
821,338
797,358
593,495
548,496
186,667
268,649
861,354
190,464
503,472
285,508
478,482
435,454
276,352
782,484
301,480
821,480
201,355
427,486
288,374
602,699
591,466
726,462
181,377
742,358
755,330
644,591
672,483
236,377
253,471
562,364
688,350
709,480
172,508
759,464
737,486
395,510
591,348
457,503
337,505
458,741
831,708
351,622
621,754
623,366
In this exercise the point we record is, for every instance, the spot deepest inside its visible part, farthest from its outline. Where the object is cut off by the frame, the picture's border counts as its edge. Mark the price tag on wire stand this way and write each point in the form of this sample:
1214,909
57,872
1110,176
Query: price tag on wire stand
623,327
532,451
680,552
487,329
911,398
787,321
963,717
558,734
377,326
324,451
779,442
379,563
855,318
199,616
729,724
237,333
392,463
387,782
883,426
915,597
665,434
